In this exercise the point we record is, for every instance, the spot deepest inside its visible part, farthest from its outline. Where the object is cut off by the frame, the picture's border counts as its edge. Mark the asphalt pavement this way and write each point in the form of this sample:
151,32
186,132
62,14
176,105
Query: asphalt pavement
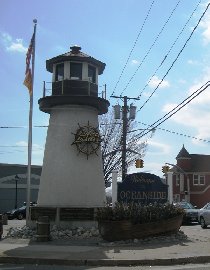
194,248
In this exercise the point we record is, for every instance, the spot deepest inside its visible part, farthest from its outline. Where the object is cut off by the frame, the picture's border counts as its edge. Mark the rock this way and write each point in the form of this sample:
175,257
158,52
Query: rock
79,233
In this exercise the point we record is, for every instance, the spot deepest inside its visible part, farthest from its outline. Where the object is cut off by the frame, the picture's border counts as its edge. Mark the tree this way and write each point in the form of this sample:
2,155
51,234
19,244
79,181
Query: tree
111,145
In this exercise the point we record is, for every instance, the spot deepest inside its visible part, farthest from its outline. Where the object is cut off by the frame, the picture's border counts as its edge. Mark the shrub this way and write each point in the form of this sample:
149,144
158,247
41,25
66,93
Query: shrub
138,213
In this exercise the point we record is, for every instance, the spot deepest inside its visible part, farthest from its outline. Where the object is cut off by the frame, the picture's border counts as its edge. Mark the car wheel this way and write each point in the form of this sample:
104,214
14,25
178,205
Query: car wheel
202,222
20,216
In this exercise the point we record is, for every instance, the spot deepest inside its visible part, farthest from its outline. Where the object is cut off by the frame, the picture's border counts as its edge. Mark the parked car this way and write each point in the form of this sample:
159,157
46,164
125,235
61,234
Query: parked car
204,216
18,213
191,212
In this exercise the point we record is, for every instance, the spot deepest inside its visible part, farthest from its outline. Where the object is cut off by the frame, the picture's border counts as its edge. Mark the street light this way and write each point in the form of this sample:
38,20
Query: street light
16,180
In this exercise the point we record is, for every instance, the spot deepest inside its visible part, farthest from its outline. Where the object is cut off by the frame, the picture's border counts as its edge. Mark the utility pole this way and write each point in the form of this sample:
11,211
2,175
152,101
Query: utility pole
125,111
124,136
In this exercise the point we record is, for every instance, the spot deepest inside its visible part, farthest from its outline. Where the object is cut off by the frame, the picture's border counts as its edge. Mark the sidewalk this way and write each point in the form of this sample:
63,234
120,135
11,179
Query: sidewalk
158,251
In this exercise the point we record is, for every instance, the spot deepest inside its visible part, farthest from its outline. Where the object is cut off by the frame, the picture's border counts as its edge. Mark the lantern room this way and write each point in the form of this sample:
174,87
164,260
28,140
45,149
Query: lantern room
74,81
75,73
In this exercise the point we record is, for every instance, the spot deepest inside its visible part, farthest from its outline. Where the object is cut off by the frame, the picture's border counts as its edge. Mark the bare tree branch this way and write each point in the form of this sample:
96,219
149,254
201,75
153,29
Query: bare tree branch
111,146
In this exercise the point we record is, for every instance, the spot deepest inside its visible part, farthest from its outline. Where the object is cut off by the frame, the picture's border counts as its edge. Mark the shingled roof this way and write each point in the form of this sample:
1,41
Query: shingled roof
183,153
75,55
199,163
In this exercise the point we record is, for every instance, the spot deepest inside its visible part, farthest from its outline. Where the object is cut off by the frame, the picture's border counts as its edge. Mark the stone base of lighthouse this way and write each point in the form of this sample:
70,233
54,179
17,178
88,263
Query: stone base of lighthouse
72,183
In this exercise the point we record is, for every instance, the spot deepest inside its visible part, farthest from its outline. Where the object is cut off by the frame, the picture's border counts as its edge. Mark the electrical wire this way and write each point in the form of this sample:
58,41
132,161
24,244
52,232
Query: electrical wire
170,49
157,37
160,121
176,133
134,45
183,47
5,127
176,109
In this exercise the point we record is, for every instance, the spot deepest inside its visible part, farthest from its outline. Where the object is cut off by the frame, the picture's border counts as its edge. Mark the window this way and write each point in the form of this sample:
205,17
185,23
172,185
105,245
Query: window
177,179
198,179
76,71
202,180
195,179
92,74
59,74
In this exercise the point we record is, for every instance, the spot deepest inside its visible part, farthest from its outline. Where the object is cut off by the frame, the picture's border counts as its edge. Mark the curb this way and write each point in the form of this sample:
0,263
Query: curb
105,262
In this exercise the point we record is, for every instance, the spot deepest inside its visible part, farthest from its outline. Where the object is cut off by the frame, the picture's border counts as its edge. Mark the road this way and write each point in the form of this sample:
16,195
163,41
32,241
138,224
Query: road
57,267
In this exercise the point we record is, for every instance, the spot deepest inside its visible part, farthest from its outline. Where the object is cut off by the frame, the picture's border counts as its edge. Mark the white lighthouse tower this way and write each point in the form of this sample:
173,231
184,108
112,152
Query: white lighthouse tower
72,180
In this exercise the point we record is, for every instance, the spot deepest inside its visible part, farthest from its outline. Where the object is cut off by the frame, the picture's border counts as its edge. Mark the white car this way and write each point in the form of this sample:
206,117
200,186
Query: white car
204,216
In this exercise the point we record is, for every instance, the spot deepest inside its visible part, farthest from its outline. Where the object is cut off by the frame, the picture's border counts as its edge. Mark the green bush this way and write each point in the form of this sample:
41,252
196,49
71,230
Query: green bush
138,213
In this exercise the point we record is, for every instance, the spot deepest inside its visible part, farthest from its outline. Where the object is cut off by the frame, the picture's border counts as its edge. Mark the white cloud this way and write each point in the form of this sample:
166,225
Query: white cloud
155,81
196,114
36,148
12,45
134,62
182,81
158,148
22,143
205,24
192,62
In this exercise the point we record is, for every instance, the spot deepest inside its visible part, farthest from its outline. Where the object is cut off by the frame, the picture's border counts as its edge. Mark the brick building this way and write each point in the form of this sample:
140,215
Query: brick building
191,178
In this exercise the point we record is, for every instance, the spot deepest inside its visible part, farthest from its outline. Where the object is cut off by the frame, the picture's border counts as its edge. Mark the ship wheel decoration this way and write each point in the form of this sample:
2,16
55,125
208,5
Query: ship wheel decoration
87,140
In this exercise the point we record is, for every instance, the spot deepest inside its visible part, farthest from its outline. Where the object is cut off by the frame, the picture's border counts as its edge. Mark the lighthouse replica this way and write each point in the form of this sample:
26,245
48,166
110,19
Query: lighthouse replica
72,181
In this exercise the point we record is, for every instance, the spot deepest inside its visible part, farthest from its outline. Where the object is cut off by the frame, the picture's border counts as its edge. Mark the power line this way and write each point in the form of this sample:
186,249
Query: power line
134,45
169,51
177,133
173,111
8,127
185,44
157,37
176,109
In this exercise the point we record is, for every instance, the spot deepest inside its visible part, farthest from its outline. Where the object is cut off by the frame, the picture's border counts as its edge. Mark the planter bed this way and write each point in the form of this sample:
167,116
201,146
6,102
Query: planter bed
124,229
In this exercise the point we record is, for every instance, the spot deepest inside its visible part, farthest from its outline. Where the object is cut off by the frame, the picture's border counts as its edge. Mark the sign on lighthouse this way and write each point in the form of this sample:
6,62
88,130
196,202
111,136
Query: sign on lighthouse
72,173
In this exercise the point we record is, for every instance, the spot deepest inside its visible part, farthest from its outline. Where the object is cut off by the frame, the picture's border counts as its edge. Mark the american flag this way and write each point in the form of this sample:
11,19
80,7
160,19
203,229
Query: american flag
28,74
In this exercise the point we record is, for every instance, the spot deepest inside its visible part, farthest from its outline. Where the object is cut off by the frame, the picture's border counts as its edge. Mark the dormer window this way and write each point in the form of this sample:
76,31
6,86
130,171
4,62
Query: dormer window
76,71
59,73
92,74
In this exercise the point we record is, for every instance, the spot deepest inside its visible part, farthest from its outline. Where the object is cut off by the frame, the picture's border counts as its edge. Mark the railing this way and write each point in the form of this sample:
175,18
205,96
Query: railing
72,87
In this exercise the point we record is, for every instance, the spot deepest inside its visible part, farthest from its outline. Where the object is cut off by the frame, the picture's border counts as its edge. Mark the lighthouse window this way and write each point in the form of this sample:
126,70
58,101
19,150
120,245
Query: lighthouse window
76,71
92,74
59,74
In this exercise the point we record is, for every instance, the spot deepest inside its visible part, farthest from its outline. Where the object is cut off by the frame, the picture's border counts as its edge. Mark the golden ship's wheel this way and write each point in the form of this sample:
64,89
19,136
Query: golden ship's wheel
87,140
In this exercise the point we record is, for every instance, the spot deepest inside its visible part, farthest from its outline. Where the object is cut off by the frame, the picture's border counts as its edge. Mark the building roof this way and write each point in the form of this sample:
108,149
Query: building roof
75,55
198,162
183,153
9,172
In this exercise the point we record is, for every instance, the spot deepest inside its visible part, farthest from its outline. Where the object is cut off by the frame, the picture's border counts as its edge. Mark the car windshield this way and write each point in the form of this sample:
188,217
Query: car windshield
22,208
186,205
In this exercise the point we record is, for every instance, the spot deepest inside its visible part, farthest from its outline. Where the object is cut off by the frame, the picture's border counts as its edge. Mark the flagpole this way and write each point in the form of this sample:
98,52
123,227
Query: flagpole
30,131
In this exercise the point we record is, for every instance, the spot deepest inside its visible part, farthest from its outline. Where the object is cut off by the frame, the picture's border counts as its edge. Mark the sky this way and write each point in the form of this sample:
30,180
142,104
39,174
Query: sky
142,43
